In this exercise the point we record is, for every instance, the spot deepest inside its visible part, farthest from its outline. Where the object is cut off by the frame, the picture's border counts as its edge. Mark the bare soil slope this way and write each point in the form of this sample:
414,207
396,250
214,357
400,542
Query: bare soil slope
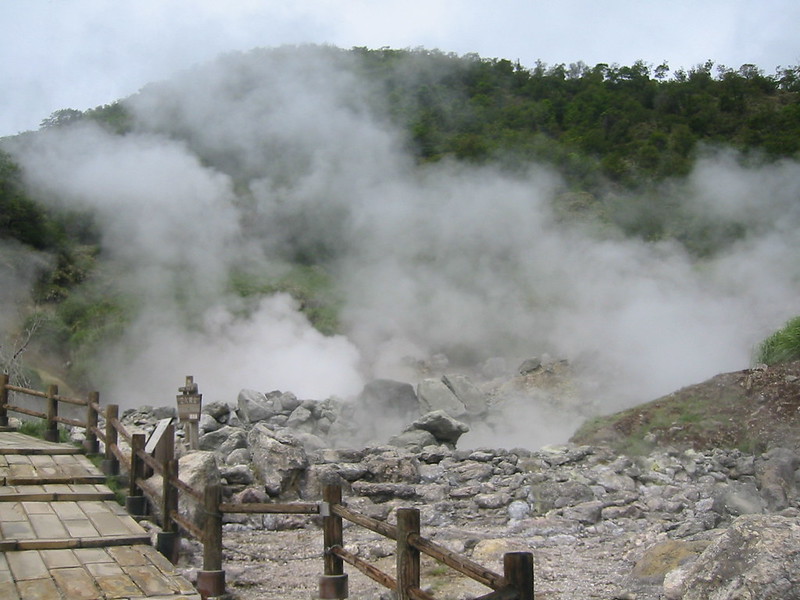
752,410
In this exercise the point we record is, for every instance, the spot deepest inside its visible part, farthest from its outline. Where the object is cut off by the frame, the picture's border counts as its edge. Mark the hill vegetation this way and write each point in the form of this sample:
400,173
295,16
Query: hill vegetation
603,128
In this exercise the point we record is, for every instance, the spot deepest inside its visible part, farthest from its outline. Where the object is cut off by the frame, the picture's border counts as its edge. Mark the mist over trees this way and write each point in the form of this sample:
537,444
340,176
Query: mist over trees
624,139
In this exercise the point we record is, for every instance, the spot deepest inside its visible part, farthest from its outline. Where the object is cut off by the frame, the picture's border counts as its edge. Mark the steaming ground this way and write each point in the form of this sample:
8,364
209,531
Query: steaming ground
470,262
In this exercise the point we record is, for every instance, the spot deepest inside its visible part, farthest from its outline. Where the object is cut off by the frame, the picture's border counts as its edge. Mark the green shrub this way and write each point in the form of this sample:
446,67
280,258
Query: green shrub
782,346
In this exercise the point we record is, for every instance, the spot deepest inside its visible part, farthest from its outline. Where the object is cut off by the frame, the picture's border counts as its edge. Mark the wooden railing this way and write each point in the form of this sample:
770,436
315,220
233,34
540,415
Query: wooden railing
158,457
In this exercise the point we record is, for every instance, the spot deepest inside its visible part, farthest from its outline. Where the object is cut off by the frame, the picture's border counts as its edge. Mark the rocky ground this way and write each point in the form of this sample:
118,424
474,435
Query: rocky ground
683,518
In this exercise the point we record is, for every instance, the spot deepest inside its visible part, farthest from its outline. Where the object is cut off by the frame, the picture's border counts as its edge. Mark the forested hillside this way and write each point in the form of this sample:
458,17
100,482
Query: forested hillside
621,140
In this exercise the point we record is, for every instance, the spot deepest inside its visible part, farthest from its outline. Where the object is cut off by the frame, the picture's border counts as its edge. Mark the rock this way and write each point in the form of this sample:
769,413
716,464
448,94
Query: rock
237,474
208,423
443,427
586,513
280,458
198,469
213,440
218,411
298,417
254,406
757,558
468,394
390,399
383,492
518,509
739,498
660,559
434,395
413,440
529,365
776,478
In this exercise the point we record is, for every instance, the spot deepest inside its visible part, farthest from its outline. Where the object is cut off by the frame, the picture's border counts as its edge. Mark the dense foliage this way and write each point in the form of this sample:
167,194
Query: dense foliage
636,121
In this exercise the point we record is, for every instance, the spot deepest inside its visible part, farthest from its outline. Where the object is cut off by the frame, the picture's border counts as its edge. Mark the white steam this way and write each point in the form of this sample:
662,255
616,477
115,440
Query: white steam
466,261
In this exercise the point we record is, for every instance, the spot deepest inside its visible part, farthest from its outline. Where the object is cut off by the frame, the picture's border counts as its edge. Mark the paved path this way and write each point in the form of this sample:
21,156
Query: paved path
63,537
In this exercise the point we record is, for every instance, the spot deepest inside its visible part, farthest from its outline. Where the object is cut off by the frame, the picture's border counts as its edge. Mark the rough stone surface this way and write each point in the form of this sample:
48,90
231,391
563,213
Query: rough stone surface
758,558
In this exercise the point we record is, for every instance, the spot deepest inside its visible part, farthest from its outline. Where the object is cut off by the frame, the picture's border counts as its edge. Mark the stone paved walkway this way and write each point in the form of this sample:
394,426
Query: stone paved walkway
62,537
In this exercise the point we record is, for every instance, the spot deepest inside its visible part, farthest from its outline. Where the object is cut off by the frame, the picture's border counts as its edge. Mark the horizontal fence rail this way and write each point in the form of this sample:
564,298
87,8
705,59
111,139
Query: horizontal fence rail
139,463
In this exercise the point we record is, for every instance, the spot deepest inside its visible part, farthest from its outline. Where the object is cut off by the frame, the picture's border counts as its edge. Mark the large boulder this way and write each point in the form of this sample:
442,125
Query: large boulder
757,558
253,406
389,399
280,458
468,394
434,395
442,426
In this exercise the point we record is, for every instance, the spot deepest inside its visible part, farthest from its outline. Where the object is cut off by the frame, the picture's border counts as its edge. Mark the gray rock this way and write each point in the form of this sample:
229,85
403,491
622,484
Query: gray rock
739,498
518,509
239,456
757,558
298,417
237,474
383,492
280,458
219,411
776,478
434,395
253,406
208,423
468,394
390,399
443,427
413,439
530,365
213,440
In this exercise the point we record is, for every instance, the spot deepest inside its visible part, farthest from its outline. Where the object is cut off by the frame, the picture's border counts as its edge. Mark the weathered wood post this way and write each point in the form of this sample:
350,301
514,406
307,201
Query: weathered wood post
407,555
333,583
211,580
3,400
51,433
518,571
167,538
190,402
110,465
90,443
136,503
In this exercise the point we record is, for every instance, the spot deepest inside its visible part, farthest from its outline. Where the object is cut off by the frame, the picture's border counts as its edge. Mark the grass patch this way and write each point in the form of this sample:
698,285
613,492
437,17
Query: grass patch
37,428
782,346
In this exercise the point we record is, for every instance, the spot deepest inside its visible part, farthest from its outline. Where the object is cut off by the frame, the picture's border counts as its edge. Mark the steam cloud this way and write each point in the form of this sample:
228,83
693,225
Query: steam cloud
447,258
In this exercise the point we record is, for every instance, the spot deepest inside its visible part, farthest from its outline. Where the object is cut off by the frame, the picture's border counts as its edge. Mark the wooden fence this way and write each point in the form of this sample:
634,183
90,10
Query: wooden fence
157,456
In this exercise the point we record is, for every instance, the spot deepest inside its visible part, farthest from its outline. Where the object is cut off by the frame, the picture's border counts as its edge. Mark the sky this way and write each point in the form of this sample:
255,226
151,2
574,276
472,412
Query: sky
81,54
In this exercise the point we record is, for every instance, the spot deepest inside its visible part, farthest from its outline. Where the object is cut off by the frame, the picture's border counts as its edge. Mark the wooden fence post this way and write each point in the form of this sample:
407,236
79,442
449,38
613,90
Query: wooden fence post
3,400
90,443
407,555
167,539
135,503
333,584
211,580
110,463
518,571
51,432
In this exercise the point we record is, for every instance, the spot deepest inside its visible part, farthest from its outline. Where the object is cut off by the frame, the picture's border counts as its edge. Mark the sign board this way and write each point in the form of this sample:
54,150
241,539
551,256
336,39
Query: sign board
189,401
155,437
